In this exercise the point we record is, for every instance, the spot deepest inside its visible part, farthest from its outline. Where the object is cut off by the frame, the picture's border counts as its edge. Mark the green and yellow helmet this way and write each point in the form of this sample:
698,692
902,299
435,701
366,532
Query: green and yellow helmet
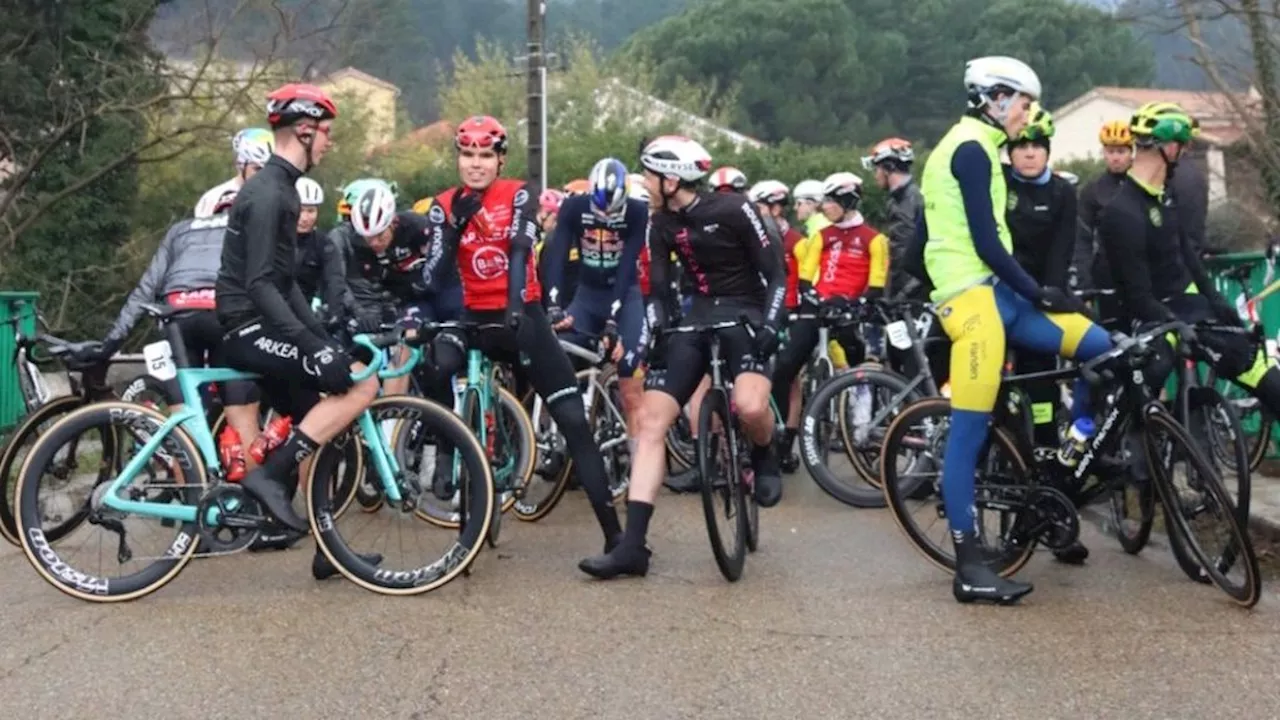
1039,125
1162,122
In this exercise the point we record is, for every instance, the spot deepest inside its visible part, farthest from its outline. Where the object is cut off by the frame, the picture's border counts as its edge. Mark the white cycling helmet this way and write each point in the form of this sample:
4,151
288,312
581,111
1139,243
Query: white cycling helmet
811,190
844,189
253,147
729,177
769,192
984,75
676,157
636,188
608,191
309,191
374,209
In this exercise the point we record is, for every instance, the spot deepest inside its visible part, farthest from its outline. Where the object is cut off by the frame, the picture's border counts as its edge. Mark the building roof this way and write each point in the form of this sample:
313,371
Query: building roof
1219,113
363,77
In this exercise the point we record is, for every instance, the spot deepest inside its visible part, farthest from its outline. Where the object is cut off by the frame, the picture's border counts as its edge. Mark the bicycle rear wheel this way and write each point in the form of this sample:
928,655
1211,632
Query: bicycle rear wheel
1232,564
19,444
722,489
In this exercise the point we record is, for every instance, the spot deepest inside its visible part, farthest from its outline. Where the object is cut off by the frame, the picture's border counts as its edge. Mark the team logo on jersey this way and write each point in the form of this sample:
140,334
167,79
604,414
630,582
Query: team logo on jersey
436,214
489,262
522,197
1012,203
1156,218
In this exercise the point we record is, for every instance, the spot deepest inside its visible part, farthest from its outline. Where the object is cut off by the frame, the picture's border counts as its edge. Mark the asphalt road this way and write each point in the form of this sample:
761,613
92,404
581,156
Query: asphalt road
836,617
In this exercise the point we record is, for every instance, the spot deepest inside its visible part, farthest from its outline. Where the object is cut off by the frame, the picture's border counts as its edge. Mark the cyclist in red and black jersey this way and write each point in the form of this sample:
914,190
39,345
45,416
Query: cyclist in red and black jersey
487,226
733,263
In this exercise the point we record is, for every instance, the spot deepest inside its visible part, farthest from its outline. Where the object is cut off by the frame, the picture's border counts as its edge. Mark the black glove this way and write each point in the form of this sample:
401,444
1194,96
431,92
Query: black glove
1224,313
766,341
512,318
367,324
332,368
1186,333
609,338
464,208
809,298
1056,300
97,352
555,315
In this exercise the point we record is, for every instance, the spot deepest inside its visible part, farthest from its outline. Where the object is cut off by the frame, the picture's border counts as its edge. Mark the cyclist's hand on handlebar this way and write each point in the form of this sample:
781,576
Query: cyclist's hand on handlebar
1186,333
1225,314
609,345
332,368
366,324
1055,300
559,319
98,352
766,340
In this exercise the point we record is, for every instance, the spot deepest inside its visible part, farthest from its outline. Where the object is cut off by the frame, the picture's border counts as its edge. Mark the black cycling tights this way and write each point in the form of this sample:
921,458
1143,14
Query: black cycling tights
550,372
802,340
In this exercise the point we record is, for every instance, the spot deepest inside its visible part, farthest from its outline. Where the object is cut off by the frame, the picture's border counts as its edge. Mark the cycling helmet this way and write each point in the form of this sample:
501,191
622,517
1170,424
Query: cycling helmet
1070,177
985,76
225,201
423,205
728,177
889,150
309,191
549,201
636,187
374,209
769,192
290,103
609,186
1039,126
481,131
811,190
677,157
581,186
1115,133
842,184
1162,122
253,147
351,192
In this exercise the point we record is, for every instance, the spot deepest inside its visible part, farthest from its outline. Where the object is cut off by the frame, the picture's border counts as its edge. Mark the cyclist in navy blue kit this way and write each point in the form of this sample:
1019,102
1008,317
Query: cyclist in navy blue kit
607,228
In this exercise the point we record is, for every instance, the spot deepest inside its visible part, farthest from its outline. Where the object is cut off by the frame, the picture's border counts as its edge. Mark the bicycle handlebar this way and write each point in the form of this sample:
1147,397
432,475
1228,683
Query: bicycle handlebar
376,344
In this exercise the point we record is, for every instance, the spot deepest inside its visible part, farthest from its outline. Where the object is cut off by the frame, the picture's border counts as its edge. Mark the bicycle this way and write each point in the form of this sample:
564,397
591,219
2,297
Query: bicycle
496,417
722,448
206,510
1035,498
599,385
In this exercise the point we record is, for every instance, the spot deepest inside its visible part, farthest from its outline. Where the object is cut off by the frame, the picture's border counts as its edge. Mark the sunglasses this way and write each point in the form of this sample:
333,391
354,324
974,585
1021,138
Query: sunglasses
476,140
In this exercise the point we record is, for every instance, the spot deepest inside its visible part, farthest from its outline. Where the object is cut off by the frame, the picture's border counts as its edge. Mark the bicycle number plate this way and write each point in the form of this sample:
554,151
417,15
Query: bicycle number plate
898,334
159,357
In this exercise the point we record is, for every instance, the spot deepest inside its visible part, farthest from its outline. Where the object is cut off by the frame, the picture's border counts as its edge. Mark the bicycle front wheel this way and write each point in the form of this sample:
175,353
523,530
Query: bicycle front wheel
722,490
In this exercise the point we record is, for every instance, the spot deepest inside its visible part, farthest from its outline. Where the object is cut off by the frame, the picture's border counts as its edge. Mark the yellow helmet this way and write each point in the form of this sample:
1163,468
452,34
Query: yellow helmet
1039,124
1115,133
1161,122
423,206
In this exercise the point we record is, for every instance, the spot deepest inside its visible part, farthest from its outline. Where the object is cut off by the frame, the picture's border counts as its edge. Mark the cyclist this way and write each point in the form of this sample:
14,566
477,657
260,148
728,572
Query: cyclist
549,202
891,160
984,296
270,330
1157,271
353,190
1042,222
319,274
608,230
843,261
486,229
252,147
728,180
1117,153
183,273
771,198
734,267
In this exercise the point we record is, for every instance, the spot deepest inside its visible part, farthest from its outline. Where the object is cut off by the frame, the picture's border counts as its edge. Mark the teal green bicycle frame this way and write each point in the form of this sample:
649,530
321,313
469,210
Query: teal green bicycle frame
192,418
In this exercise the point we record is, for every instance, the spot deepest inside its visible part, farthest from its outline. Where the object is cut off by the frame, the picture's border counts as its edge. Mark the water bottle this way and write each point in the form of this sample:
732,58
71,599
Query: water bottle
231,453
1078,437
276,432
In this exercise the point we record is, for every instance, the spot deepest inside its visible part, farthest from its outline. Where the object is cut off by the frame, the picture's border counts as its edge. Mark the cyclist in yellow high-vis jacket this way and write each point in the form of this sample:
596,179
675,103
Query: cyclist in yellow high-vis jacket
984,296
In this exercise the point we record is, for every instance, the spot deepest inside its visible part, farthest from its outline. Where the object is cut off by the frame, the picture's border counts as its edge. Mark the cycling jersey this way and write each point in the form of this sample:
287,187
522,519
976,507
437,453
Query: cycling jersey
609,248
1093,198
964,205
495,246
791,238
1041,217
209,200
1188,183
320,270
904,207
183,271
642,267
397,271
259,256
844,259
726,253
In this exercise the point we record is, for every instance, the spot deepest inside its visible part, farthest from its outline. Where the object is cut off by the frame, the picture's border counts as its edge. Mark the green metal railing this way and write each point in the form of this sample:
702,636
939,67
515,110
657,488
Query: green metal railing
22,307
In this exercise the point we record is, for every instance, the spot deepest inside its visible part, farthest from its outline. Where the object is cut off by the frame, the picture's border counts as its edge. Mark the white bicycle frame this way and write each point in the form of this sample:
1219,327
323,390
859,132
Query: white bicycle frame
588,398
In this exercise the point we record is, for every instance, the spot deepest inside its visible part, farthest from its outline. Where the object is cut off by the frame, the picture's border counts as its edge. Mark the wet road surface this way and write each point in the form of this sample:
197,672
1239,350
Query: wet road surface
836,617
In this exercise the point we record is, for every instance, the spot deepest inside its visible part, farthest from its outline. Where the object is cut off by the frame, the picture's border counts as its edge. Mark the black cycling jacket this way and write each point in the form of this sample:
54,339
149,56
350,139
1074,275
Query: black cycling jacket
1042,223
905,206
259,260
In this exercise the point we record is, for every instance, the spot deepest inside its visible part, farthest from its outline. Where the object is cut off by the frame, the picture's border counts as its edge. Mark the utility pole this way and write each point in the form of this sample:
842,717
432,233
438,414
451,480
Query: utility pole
537,79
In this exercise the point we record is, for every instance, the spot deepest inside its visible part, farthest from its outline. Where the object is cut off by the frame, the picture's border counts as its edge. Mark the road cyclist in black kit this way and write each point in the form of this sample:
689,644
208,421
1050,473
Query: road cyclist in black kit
734,268
270,329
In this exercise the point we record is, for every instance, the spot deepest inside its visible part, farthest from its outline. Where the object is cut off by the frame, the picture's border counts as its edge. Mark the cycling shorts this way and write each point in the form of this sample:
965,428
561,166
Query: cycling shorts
534,350
202,340
590,311
688,356
444,306
290,383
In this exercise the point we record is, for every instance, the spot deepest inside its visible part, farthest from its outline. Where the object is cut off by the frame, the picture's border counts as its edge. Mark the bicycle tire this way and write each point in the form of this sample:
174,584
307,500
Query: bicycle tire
1134,542
835,390
473,418
525,508
40,552
27,430
477,507
898,493
730,560
1249,591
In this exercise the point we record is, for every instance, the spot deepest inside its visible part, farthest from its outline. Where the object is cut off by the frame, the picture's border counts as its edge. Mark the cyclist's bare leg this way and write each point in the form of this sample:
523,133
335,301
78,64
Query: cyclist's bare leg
793,412
632,391
657,412
244,418
400,385
695,404
751,397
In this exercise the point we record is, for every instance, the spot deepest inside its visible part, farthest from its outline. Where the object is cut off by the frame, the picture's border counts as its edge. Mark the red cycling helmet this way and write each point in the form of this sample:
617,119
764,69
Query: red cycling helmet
298,101
481,131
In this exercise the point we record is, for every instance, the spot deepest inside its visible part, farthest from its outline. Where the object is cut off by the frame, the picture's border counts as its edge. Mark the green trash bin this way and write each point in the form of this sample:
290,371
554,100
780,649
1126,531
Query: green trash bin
17,315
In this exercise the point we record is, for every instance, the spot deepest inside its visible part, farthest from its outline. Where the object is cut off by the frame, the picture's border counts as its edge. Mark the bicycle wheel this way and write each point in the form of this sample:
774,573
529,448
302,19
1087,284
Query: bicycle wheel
681,450
18,445
1215,425
554,465
1202,504
722,489
1133,510
912,457
1256,420
447,554
476,422
185,470
884,394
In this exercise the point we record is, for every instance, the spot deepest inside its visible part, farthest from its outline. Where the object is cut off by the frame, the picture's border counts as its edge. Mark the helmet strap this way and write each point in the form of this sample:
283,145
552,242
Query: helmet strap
305,139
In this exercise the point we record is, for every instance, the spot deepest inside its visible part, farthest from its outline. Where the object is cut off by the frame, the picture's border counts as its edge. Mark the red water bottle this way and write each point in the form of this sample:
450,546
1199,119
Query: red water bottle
231,454
276,433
